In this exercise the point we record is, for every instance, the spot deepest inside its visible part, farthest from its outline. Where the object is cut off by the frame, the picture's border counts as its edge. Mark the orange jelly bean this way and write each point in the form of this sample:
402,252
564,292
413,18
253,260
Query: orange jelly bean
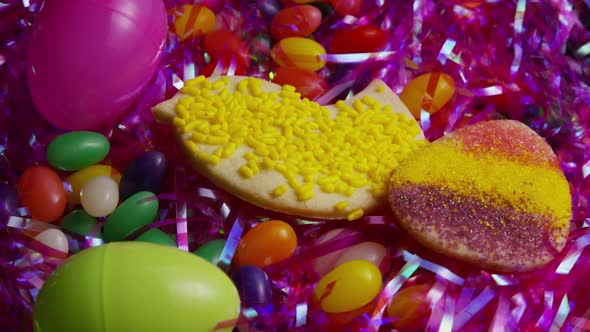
429,92
346,7
296,21
299,52
193,21
409,309
306,82
41,191
268,243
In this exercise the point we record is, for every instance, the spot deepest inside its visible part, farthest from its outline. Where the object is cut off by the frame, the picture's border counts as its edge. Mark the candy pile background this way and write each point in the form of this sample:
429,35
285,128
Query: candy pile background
521,60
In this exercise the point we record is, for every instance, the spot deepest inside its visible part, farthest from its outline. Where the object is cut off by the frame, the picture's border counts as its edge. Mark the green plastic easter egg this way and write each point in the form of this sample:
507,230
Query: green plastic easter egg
77,149
157,236
211,250
80,222
136,286
136,211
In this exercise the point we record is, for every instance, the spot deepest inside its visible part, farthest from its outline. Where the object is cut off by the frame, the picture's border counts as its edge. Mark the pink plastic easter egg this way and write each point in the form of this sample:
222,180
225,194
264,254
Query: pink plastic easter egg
88,60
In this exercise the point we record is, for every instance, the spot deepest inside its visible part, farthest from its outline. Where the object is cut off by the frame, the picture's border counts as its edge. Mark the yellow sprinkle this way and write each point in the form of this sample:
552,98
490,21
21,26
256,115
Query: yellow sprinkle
245,171
341,206
355,214
279,191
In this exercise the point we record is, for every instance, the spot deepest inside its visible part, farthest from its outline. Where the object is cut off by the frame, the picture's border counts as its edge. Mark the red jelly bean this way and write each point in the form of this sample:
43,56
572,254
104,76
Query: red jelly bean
361,39
223,41
306,82
346,7
42,192
296,21
224,62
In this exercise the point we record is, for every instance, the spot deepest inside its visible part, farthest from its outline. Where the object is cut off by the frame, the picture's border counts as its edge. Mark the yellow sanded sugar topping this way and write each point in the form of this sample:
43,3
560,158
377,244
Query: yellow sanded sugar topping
534,189
303,141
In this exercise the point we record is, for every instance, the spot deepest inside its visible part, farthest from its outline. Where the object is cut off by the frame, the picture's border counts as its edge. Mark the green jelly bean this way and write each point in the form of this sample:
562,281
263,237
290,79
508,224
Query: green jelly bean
211,250
77,149
80,222
155,235
136,211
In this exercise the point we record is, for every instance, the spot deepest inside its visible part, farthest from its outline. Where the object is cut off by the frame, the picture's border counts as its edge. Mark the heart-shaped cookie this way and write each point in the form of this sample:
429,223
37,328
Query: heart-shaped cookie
266,145
492,194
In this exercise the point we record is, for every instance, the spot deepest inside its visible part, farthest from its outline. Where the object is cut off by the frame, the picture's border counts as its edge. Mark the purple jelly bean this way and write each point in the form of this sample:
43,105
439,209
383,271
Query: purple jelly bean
146,173
9,202
269,7
253,286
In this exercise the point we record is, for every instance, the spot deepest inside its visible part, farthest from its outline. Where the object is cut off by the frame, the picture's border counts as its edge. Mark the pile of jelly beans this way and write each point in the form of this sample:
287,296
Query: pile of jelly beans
94,191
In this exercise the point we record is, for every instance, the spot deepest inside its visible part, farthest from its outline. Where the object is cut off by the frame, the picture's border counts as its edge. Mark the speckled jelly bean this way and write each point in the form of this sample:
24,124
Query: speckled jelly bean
145,173
192,21
348,287
306,82
296,21
76,150
100,196
268,243
8,202
299,52
211,250
222,41
80,222
78,179
55,239
429,92
253,286
156,236
359,39
41,191
409,308
346,7
136,211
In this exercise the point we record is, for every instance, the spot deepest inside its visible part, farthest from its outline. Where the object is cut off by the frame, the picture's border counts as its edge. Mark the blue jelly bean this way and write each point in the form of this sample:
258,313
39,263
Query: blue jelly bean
8,202
253,286
146,173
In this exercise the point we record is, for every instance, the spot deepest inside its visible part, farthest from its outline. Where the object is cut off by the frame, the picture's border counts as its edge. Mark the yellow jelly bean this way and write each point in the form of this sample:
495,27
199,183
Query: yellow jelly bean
299,52
78,179
348,287
193,21
429,92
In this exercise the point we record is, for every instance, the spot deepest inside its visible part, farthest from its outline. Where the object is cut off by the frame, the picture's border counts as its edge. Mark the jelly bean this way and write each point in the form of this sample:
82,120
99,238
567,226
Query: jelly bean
359,39
100,196
409,309
8,203
296,21
223,41
54,238
41,191
327,263
429,92
253,286
268,243
369,251
77,149
225,64
299,52
348,287
211,250
78,179
135,212
80,222
306,82
145,173
155,235
269,7
346,7
193,21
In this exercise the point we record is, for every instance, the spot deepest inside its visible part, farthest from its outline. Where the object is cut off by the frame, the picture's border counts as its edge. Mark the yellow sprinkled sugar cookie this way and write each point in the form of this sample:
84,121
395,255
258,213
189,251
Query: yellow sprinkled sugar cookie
266,145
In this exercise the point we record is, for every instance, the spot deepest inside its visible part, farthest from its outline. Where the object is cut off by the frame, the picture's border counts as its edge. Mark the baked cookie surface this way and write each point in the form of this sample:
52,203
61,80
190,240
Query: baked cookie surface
264,144
492,194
